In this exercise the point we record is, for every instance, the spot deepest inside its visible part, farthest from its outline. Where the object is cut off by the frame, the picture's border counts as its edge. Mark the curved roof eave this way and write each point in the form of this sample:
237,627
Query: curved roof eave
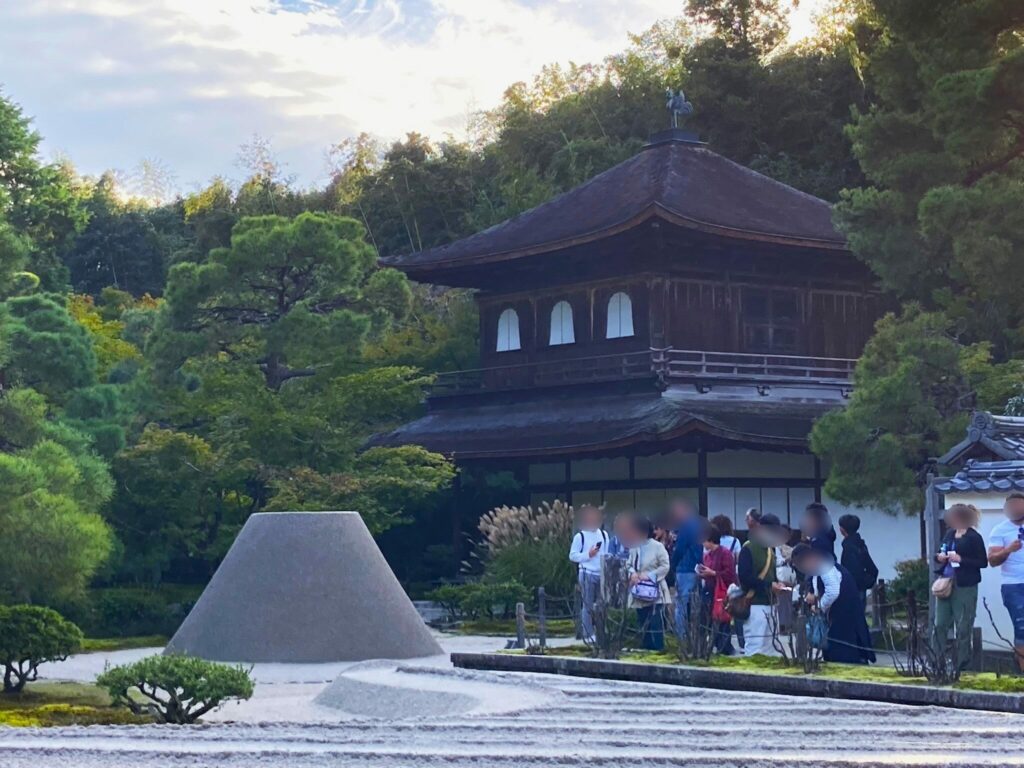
650,211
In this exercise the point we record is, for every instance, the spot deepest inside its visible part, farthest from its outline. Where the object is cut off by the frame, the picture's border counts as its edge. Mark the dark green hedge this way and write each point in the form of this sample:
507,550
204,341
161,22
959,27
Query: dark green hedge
132,611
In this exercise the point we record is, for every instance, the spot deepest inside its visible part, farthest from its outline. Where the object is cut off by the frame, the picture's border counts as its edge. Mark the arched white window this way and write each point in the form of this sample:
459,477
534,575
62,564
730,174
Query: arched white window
508,331
620,316
561,324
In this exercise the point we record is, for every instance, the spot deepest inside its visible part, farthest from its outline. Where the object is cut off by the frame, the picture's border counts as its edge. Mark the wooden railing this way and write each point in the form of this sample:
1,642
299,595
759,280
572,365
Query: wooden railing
664,364
684,363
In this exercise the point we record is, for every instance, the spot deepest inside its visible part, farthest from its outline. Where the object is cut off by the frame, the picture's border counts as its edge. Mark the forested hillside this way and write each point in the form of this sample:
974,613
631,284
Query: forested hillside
170,367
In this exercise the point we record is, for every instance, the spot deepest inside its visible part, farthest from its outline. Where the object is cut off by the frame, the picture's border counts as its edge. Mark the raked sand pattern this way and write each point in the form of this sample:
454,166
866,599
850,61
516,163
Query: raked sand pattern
486,719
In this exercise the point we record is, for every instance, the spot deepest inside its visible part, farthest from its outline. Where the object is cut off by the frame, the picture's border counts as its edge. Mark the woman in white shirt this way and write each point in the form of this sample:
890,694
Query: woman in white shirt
834,592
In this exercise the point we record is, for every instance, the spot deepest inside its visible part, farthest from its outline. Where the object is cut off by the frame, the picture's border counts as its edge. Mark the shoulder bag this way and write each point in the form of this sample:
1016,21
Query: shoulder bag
739,607
645,590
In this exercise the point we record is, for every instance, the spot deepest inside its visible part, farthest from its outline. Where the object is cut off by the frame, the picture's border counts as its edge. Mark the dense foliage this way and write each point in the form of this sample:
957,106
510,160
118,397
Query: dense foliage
169,368
480,600
939,221
175,689
31,635
913,386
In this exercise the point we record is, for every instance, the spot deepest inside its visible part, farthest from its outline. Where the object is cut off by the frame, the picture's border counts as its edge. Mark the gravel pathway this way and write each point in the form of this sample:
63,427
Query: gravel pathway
548,721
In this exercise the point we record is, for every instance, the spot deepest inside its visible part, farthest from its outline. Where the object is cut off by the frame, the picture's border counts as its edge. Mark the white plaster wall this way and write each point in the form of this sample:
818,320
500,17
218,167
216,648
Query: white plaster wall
890,538
991,506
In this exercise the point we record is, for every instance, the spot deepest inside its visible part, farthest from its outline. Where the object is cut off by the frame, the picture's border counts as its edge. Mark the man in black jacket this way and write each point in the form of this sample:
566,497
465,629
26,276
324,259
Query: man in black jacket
856,558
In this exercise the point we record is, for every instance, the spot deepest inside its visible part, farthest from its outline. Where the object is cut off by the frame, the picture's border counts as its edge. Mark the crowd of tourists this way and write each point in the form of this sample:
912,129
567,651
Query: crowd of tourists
781,580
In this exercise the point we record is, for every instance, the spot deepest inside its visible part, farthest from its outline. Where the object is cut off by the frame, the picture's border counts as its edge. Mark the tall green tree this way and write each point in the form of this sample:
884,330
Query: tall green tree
118,247
54,486
38,201
912,388
48,350
942,147
754,25
943,150
261,397
291,297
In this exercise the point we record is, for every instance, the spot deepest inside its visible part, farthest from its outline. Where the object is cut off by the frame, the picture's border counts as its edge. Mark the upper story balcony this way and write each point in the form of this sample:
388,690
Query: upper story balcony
664,366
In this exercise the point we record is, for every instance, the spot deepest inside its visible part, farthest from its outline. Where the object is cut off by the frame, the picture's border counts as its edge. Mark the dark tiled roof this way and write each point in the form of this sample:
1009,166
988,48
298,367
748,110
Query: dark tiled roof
985,477
678,181
989,437
575,424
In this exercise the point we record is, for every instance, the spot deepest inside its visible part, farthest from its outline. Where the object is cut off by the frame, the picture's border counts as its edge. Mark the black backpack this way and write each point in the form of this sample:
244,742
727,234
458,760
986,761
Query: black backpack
868,576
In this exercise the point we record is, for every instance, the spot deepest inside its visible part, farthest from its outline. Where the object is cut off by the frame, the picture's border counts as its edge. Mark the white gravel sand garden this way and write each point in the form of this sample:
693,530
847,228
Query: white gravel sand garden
424,713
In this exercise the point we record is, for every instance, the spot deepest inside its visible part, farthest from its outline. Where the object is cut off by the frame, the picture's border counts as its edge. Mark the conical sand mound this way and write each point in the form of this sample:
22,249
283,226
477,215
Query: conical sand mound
304,587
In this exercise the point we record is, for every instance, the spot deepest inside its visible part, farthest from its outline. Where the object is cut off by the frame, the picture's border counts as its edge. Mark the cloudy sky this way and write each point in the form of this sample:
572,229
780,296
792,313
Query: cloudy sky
185,82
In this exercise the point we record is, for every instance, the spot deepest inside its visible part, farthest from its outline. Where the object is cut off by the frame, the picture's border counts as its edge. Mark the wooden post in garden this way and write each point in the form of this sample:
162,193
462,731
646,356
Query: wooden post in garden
913,627
977,652
878,607
542,617
932,535
520,625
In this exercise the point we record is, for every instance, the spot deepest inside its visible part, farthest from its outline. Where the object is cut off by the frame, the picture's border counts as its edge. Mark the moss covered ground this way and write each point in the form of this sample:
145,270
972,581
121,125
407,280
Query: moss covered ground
97,644
507,628
773,665
44,704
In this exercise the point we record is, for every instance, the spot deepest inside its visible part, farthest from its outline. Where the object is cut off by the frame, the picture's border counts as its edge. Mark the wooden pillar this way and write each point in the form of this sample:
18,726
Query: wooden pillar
702,482
817,479
456,521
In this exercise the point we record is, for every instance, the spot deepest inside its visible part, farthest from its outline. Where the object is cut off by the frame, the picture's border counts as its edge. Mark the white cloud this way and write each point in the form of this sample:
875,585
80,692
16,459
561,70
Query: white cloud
112,81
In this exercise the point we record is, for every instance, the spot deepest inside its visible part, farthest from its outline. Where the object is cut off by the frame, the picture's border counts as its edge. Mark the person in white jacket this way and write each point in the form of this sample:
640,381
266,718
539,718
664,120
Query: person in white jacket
585,550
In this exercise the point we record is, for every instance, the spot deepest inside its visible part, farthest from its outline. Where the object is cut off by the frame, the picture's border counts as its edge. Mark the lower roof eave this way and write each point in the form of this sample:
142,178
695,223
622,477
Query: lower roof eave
654,443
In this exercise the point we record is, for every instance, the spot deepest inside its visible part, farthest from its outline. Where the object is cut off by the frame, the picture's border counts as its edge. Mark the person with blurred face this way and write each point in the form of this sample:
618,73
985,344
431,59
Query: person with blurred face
832,591
617,546
718,572
961,556
648,592
755,573
733,544
585,551
816,526
1006,552
687,554
753,519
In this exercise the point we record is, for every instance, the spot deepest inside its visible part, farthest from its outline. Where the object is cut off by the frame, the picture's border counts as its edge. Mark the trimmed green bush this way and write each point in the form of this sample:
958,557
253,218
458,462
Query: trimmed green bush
480,600
489,601
449,597
29,636
133,611
175,689
911,576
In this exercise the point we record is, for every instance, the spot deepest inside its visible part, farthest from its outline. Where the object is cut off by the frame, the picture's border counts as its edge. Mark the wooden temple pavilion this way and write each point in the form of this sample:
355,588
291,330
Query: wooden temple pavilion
671,327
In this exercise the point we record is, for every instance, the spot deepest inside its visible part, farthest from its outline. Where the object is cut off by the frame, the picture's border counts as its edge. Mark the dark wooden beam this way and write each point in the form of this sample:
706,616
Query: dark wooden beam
702,481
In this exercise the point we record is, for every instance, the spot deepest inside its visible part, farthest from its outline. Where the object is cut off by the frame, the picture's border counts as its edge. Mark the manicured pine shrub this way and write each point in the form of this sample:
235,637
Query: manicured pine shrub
31,635
174,688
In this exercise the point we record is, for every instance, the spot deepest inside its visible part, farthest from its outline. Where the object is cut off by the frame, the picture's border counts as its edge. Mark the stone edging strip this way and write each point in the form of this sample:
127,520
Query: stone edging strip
697,677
